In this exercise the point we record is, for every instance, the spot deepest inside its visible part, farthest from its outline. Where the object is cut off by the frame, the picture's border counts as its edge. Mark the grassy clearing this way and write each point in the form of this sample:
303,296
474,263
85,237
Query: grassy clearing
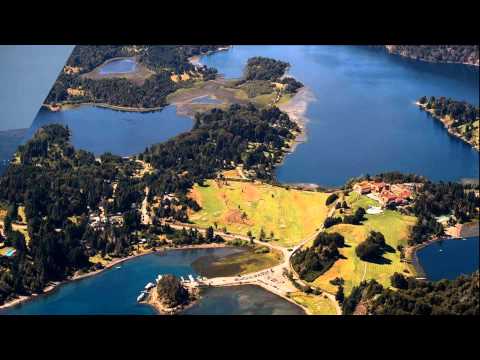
316,304
292,215
355,200
241,263
394,226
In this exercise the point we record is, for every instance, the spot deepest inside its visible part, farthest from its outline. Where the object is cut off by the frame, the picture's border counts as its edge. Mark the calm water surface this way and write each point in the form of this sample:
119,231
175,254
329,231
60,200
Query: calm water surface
364,119
447,259
115,291
119,66
242,300
123,133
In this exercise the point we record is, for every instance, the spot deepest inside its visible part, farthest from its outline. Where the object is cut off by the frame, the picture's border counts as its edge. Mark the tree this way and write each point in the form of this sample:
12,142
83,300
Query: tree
331,198
262,235
340,296
399,281
250,236
210,234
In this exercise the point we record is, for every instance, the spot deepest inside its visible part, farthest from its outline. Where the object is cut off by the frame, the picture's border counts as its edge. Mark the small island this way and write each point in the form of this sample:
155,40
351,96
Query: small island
460,118
170,295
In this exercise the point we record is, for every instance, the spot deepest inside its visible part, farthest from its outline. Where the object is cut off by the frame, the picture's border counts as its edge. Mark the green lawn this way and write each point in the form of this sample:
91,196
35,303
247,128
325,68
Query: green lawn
393,225
316,304
292,215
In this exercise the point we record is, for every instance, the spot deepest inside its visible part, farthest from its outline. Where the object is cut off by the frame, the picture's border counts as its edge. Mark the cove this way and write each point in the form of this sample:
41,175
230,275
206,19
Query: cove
101,130
363,119
114,291
449,258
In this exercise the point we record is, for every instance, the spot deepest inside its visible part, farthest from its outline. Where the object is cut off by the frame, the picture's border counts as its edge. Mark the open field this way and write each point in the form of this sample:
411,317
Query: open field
292,215
394,226
316,304
138,76
241,263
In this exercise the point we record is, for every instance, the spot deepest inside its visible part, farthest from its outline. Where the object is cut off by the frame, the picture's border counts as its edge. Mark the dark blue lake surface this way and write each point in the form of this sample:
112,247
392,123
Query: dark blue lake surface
123,133
119,66
447,259
363,119
114,291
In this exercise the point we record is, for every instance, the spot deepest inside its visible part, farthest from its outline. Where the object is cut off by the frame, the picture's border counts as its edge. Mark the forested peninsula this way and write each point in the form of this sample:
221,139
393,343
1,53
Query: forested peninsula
460,118
164,63
459,54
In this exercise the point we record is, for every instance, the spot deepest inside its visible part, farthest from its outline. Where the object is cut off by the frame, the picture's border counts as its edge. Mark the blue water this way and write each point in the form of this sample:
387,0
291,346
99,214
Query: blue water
363,119
119,66
114,291
447,259
27,73
123,133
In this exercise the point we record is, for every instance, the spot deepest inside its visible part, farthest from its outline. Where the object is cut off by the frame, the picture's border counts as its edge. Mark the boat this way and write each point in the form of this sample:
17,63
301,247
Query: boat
149,286
141,296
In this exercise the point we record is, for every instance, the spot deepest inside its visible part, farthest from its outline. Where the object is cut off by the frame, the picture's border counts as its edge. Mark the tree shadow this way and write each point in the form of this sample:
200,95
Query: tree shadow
380,260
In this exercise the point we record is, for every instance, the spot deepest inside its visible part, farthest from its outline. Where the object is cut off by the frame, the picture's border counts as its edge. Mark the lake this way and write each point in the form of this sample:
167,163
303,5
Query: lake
114,291
363,119
118,66
123,133
449,258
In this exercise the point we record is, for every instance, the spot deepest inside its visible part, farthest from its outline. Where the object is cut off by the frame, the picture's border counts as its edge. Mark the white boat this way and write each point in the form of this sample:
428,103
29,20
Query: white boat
191,278
141,296
149,286
182,278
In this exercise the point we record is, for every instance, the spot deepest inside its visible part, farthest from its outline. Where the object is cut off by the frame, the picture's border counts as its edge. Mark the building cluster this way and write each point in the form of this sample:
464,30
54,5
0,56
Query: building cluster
98,219
387,194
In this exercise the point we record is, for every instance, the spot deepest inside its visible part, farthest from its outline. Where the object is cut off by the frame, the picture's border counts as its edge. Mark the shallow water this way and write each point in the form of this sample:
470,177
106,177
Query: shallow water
242,300
206,100
123,133
120,66
363,119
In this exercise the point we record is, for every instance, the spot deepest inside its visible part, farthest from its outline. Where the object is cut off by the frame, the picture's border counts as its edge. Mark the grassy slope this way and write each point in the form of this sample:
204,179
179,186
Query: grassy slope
316,304
393,225
291,214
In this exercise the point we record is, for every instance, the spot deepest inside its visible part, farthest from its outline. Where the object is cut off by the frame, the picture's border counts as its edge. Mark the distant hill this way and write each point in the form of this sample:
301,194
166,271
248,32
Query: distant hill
461,54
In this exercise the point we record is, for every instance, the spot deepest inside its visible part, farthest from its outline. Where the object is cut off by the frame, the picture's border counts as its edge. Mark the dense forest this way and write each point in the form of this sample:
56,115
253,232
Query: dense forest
441,198
162,59
173,57
416,297
220,140
171,292
463,119
463,54
312,262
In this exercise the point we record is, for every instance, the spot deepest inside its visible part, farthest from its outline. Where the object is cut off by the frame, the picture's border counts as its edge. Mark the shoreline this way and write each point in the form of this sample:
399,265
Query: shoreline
70,105
392,52
444,121
52,287
411,251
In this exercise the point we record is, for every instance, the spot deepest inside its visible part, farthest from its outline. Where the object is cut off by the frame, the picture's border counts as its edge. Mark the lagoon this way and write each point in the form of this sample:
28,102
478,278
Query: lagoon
122,133
118,66
363,119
